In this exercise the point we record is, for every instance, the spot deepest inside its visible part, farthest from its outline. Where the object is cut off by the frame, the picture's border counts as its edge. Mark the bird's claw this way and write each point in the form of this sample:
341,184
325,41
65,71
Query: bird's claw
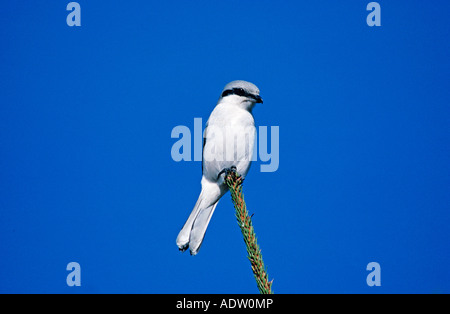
228,171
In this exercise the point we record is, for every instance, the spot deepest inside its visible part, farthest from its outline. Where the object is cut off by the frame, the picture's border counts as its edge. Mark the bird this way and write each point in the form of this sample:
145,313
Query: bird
227,146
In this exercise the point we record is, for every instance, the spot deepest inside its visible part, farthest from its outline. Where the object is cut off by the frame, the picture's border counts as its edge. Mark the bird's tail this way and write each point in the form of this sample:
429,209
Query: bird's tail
192,234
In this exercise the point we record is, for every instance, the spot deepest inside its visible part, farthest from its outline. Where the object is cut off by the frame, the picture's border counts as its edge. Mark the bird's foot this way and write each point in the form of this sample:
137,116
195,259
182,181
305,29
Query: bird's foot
231,170
227,171
231,175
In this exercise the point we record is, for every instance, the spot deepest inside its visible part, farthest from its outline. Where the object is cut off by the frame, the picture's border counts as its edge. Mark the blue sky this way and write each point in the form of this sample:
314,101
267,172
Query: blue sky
86,173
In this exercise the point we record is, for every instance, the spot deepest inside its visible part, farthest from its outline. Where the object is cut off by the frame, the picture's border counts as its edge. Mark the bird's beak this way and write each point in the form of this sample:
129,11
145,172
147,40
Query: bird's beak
259,100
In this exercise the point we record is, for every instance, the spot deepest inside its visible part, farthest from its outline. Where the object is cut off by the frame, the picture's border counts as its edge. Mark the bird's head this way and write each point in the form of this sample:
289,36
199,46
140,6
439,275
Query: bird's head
243,93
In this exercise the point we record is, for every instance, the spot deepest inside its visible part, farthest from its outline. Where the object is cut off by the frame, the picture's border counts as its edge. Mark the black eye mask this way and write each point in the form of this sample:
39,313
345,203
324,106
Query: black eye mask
241,92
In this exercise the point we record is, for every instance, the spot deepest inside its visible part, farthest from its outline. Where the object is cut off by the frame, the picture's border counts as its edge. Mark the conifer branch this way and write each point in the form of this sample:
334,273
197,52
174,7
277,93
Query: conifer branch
234,182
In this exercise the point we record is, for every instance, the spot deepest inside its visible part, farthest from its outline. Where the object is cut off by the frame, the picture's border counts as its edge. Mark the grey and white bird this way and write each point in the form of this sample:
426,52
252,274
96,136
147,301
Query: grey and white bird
228,145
